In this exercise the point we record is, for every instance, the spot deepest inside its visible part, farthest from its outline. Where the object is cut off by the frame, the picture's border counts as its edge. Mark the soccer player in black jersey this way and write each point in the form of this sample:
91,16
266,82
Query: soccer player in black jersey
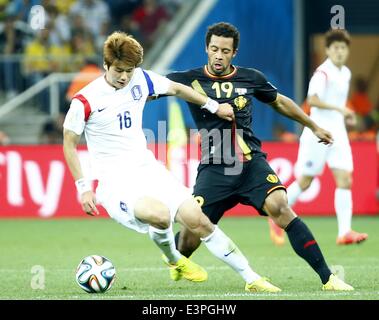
233,167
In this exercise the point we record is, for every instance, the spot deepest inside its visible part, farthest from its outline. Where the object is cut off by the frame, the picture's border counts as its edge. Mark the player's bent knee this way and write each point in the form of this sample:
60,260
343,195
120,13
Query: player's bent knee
285,210
285,216
205,227
277,207
192,217
161,221
153,212
199,224
274,202
160,217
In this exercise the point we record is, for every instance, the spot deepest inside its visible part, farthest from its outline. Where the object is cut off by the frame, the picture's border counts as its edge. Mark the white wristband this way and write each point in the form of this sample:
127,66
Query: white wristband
83,185
210,105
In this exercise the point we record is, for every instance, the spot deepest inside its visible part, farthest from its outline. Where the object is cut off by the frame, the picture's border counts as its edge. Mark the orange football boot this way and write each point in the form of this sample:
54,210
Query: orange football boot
352,237
276,233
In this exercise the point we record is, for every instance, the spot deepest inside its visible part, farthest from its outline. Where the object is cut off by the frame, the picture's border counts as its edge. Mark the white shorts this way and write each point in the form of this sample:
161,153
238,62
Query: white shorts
121,189
313,156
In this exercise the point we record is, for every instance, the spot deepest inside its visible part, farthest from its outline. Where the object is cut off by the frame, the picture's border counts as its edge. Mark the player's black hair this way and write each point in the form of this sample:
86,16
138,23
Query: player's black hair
223,29
339,35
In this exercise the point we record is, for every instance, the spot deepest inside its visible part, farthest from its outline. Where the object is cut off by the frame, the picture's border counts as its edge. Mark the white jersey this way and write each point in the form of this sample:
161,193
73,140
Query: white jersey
112,119
127,171
331,85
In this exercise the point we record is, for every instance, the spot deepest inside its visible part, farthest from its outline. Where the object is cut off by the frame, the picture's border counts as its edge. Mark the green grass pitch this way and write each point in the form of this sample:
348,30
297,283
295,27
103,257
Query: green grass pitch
59,245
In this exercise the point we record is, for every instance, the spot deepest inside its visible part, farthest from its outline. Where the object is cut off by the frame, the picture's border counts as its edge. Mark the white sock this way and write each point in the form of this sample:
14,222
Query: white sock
224,248
293,192
164,239
343,205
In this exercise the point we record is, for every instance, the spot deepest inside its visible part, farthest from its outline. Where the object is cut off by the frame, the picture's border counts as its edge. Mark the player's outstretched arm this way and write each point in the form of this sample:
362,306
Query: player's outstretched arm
349,114
315,101
289,108
88,199
224,110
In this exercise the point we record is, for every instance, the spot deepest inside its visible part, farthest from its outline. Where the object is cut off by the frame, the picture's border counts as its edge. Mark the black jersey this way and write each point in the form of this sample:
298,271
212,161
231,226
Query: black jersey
220,141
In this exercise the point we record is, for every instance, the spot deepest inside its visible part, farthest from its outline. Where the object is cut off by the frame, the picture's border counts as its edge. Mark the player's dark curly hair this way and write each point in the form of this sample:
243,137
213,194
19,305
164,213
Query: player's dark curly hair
339,35
223,29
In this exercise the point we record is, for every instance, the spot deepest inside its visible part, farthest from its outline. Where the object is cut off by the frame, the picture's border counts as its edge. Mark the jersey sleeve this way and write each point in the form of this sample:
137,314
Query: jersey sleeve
178,77
74,120
264,91
156,83
317,84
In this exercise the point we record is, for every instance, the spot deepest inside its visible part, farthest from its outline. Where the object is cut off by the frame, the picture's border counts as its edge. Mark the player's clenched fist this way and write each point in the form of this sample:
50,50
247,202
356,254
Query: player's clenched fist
225,111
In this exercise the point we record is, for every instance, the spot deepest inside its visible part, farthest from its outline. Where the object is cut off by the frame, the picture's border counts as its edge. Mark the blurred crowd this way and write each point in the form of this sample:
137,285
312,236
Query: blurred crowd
68,34
39,37
367,112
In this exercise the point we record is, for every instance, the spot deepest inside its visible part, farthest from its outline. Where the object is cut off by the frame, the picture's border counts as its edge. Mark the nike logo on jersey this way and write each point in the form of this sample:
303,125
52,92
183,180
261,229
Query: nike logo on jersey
225,255
99,110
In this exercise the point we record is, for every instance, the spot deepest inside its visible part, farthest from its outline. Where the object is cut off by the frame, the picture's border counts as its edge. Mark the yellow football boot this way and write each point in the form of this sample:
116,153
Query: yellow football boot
336,284
261,285
187,269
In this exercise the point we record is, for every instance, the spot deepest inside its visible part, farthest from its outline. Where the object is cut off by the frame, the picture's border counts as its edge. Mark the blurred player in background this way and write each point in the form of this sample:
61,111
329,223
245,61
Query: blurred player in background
134,188
256,184
327,95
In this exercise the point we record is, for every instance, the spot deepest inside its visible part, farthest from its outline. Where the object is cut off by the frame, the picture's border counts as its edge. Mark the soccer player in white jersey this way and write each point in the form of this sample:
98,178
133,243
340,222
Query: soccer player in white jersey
327,95
134,188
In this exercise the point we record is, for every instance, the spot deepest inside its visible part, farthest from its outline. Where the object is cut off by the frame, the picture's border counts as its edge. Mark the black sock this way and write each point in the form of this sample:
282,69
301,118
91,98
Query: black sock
304,244
177,240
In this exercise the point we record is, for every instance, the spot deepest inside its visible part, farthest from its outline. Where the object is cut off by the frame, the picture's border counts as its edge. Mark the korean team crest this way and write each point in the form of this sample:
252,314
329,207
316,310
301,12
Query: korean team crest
240,102
136,92
123,206
272,178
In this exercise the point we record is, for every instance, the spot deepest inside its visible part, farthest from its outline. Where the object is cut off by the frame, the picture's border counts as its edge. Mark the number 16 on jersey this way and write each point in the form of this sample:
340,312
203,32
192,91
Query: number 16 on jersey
125,120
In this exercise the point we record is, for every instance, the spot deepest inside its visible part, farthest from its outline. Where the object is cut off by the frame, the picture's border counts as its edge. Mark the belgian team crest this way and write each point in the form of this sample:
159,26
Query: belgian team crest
272,178
240,102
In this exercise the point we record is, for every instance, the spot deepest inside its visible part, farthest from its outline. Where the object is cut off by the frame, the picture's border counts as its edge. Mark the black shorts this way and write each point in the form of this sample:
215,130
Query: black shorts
217,192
